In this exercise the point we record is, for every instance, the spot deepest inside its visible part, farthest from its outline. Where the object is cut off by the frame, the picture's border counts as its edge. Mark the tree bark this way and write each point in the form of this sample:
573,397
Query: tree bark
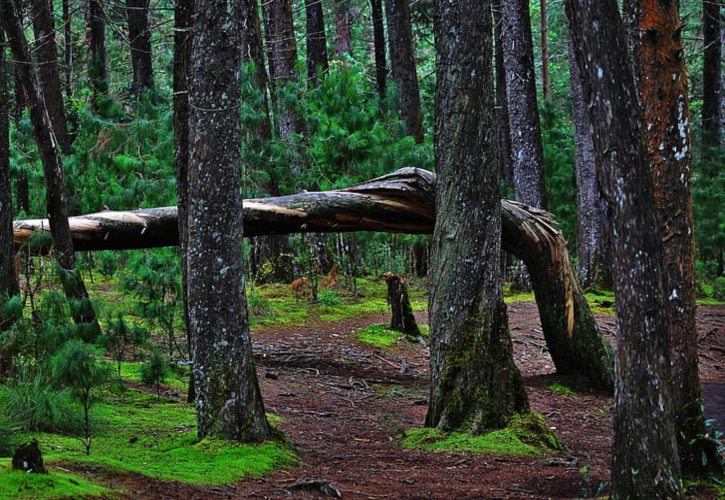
56,203
711,80
343,23
645,462
139,34
505,154
475,384
316,42
402,318
401,202
659,59
592,242
68,49
523,109
381,69
228,399
8,280
402,61
545,80
44,29
253,52
96,39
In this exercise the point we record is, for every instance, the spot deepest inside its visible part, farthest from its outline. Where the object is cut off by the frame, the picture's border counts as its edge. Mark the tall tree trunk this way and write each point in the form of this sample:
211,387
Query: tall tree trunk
96,39
139,34
343,23
660,61
8,280
545,80
253,52
316,41
592,241
518,54
68,49
505,154
711,80
56,203
402,61
381,69
645,462
44,28
475,384
228,399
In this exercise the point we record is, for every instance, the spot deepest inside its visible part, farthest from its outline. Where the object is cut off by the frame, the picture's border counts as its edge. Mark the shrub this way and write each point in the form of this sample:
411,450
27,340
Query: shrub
328,298
155,371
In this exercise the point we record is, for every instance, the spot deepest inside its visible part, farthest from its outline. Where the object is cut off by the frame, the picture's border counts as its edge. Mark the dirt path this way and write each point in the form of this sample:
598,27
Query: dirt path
344,403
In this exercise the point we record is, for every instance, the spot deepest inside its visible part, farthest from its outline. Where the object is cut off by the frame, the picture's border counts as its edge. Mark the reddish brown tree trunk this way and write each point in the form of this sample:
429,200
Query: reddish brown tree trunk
343,23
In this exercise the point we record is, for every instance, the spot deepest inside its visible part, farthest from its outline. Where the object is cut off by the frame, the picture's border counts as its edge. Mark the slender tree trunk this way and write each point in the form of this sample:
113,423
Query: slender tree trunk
316,42
381,69
645,462
68,49
228,399
545,80
711,80
44,28
402,61
659,60
96,39
56,203
475,384
592,241
253,52
518,54
139,34
505,154
343,23
8,280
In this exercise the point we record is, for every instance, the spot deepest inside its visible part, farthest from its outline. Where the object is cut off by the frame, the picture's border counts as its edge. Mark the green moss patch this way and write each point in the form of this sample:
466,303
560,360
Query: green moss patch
561,389
520,297
379,336
526,435
55,484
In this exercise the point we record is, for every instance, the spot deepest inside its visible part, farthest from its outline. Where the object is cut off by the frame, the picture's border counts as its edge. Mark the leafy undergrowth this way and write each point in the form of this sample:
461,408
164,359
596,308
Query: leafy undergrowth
55,484
525,435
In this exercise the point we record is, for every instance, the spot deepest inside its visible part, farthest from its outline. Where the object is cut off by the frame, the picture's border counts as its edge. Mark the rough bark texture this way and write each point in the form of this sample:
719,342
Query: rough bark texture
505,154
592,241
381,69
139,34
645,462
47,59
402,61
96,39
518,54
401,312
475,384
711,79
8,281
659,59
56,203
253,52
343,23
228,400
316,41
401,202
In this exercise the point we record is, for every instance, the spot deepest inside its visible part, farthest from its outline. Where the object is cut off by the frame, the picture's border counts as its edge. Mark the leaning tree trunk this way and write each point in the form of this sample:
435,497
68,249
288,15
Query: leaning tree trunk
56,203
475,384
402,61
316,42
645,462
401,202
343,24
660,60
401,312
44,29
228,399
139,34
711,80
8,280
381,70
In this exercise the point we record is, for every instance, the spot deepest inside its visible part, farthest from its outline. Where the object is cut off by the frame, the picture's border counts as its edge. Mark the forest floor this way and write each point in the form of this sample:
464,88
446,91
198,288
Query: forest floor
344,404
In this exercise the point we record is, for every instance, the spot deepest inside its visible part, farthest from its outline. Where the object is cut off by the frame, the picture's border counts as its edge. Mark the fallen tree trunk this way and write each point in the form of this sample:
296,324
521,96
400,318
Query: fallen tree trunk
401,202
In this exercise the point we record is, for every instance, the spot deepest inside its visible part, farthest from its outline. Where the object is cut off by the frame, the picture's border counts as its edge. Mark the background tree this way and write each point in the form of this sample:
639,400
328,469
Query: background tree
139,35
645,462
343,25
502,114
68,48
381,67
96,40
545,78
475,384
228,399
711,79
316,41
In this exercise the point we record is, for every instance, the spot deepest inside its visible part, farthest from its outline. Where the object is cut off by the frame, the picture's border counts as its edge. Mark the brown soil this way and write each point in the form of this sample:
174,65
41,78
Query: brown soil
344,403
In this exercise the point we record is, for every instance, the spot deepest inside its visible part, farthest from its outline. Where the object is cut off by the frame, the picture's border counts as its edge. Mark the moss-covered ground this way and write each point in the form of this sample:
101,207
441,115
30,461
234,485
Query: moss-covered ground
56,484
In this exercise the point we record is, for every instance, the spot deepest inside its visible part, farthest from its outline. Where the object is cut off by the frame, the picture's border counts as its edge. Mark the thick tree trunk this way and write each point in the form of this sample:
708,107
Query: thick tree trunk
381,69
711,80
228,400
401,319
518,54
343,24
402,61
502,114
139,34
253,52
592,241
44,29
56,204
401,202
545,79
645,462
475,384
96,39
316,42
8,280
659,59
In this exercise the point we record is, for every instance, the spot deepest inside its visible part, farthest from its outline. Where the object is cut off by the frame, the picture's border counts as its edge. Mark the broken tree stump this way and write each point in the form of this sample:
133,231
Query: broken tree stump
402,319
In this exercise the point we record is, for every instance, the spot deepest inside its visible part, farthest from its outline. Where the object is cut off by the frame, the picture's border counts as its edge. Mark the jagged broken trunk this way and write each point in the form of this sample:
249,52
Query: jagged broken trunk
402,319
400,202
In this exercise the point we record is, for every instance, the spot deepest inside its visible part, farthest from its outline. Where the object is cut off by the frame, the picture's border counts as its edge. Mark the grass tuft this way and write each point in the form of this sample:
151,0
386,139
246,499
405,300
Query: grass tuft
379,336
